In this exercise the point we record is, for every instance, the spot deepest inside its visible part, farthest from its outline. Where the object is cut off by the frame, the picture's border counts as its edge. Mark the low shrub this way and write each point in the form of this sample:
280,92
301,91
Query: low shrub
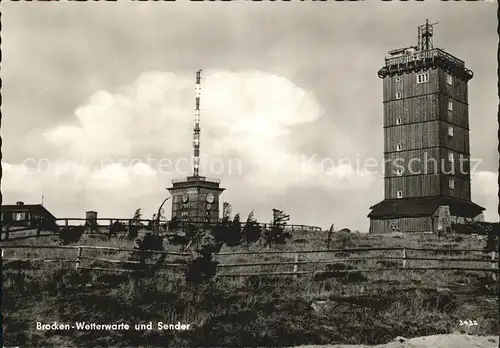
70,234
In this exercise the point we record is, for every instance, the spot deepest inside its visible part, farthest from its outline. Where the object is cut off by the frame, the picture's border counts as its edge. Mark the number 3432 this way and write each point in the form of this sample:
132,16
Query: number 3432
468,322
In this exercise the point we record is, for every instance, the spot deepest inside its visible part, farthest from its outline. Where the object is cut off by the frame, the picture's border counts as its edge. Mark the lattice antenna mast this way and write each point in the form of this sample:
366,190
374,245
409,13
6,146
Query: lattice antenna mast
425,33
196,130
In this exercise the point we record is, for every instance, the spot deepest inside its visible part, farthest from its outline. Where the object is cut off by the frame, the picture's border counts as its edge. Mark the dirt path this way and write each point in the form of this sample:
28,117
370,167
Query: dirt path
436,341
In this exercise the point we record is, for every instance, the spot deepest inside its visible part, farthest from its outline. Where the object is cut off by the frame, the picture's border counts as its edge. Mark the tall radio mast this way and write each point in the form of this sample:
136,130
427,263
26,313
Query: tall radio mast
196,130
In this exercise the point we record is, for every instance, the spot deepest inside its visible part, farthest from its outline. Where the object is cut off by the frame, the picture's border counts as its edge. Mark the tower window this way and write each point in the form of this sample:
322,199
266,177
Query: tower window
450,157
398,147
423,78
399,172
450,105
19,217
450,131
451,184
398,95
399,194
398,121
398,79
449,79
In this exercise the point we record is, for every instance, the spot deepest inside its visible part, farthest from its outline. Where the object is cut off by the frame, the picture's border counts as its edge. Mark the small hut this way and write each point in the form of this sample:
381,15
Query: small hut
91,219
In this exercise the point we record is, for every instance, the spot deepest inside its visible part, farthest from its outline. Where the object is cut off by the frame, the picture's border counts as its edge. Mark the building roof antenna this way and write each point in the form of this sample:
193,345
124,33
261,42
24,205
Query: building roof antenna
425,33
196,130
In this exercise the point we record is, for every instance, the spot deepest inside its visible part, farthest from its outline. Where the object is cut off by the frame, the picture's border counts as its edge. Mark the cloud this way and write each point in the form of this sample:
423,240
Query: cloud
245,116
250,111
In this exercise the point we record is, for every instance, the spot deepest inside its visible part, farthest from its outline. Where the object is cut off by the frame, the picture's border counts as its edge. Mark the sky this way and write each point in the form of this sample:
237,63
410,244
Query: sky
98,102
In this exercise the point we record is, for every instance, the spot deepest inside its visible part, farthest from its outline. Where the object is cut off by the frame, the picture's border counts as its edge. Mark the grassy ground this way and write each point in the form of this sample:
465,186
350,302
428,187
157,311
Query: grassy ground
238,311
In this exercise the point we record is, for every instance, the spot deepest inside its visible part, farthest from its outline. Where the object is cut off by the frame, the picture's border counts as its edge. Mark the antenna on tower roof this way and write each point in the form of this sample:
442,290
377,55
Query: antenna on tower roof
425,33
196,130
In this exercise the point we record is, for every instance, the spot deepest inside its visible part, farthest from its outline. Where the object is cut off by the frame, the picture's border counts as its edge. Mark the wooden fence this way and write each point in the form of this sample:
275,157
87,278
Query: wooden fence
297,260
70,222
290,227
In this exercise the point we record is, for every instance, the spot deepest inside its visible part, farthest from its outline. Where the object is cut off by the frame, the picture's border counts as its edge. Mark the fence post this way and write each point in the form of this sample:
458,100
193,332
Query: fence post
296,266
66,222
404,257
78,258
493,266
7,232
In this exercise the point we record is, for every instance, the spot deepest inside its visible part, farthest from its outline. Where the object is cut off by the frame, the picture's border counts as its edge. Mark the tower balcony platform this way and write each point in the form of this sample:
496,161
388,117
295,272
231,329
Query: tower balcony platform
196,181
408,61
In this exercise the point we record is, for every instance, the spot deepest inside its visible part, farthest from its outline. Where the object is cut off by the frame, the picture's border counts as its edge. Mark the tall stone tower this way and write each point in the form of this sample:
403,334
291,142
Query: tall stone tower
195,199
427,180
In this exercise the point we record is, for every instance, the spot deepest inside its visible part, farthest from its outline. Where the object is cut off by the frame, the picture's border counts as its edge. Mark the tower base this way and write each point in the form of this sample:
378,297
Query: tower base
421,214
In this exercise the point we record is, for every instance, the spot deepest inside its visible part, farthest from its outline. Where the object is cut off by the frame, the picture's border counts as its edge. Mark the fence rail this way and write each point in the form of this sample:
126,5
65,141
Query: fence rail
270,252
296,263
290,227
144,223
90,247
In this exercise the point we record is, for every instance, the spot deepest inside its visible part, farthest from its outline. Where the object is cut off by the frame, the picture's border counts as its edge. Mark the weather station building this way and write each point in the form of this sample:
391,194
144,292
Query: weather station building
426,138
196,199
27,215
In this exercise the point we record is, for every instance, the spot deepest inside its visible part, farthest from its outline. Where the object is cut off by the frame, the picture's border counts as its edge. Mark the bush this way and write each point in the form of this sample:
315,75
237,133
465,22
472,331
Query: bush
152,242
135,225
345,240
234,237
476,227
70,234
202,266
492,230
277,235
177,239
148,242
174,224
201,270
116,228
47,225
251,232
220,231
133,232
229,232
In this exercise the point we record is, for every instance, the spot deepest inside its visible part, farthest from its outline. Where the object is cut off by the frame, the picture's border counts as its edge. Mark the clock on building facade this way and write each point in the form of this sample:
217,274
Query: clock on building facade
196,200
